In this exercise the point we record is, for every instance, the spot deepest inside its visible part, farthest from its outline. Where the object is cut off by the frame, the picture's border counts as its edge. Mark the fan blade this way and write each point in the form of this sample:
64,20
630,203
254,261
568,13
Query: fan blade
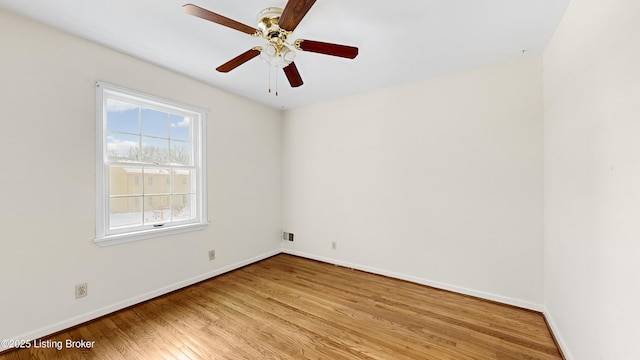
293,13
217,18
293,75
238,60
344,51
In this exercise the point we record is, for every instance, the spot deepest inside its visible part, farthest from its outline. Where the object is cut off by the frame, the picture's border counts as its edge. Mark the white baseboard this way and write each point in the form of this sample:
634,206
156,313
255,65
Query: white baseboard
77,320
555,331
414,279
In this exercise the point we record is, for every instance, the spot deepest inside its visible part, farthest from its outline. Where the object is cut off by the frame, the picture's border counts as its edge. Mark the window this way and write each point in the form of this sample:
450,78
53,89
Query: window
149,170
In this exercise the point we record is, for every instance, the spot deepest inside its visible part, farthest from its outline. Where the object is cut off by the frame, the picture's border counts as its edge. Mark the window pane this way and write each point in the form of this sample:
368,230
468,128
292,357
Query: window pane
182,181
122,116
125,211
182,207
180,127
180,152
122,147
156,181
155,123
157,209
125,180
154,150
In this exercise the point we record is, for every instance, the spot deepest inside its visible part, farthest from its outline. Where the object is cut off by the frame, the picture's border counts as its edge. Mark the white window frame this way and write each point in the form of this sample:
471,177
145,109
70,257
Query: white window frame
106,236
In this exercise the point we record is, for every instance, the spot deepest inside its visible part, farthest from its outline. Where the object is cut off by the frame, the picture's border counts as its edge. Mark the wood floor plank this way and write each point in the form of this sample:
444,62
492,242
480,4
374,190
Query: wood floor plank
287,307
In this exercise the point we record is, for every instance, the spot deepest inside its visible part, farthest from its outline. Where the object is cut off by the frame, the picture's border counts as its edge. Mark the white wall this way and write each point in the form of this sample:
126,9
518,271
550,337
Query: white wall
47,180
592,180
437,181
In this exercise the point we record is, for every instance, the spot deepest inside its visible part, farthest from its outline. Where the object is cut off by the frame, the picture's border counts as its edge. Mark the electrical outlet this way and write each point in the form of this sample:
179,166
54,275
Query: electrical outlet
212,255
287,236
334,245
81,290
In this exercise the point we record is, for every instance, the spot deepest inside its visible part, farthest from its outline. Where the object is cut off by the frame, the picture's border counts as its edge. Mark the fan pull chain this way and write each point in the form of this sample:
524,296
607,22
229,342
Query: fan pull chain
276,75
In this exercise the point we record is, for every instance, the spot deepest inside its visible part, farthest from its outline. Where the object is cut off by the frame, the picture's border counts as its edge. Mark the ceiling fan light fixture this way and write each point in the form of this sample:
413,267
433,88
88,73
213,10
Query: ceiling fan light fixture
288,55
277,56
271,50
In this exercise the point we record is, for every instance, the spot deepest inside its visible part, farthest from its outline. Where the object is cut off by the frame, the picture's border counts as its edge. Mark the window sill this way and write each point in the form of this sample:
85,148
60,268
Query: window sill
109,240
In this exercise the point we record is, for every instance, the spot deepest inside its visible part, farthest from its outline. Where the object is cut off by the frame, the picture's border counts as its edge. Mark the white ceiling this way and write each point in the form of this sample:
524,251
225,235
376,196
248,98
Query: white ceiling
399,41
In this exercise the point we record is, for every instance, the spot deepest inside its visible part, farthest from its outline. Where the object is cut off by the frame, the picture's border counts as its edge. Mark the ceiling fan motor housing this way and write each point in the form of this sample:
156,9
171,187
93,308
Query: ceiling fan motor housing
276,53
268,24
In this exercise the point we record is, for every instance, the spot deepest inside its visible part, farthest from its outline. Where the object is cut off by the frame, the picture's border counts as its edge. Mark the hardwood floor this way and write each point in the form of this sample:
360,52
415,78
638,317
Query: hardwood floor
287,307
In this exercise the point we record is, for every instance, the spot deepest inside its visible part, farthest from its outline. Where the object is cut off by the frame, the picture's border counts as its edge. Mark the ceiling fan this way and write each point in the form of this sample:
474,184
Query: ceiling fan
276,26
